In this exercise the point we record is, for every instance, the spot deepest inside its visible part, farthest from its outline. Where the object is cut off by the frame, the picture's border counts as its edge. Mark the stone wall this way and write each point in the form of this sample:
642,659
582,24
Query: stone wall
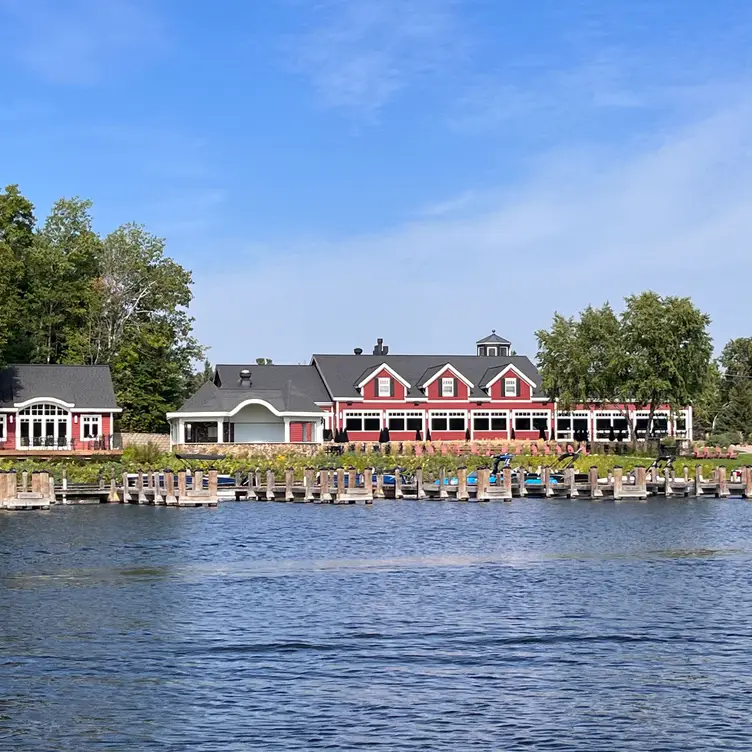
162,440
249,450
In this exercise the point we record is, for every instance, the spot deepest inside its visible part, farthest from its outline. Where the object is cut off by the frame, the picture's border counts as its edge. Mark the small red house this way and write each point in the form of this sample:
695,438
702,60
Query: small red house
56,408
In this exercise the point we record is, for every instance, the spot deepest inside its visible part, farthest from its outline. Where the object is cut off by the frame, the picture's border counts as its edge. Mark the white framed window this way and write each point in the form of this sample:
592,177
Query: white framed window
384,387
362,420
447,387
492,350
681,422
660,423
91,426
404,420
531,420
3,429
510,386
491,420
610,424
573,425
504,351
448,420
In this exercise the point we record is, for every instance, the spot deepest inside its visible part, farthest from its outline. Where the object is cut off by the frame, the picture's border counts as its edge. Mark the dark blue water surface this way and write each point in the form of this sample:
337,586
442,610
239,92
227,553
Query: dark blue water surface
535,625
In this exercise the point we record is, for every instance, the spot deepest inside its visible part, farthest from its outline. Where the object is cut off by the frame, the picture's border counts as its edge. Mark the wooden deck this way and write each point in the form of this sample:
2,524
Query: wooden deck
340,486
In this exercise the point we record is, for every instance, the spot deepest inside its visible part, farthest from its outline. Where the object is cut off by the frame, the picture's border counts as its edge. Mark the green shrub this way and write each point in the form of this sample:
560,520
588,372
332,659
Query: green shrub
146,455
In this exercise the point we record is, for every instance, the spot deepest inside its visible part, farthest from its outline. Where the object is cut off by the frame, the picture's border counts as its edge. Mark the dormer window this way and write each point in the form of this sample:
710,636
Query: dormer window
510,387
384,388
492,350
447,387
504,351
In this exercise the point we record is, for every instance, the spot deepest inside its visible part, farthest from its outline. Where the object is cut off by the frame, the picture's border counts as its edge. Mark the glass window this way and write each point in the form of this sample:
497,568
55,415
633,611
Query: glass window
372,423
456,423
481,423
447,387
523,422
492,350
396,422
2,427
385,387
91,426
415,423
498,422
439,423
510,387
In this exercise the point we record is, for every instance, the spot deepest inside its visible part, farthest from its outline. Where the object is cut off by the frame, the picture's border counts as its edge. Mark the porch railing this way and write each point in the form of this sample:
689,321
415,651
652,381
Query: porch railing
64,444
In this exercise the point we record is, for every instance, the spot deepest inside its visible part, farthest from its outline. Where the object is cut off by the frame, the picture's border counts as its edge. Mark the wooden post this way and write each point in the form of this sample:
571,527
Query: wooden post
340,485
126,489
113,495
170,498
34,481
506,479
140,487
352,479
698,481
686,477
483,475
24,482
12,482
182,485
723,491
521,477
569,482
368,480
238,479
213,486
747,477
398,494
420,490
197,485
253,484
668,489
308,484
325,495
4,492
65,485
160,483
289,481
618,483
595,489
443,491
641,482
51,487
545,477
462,493
270,485
379,494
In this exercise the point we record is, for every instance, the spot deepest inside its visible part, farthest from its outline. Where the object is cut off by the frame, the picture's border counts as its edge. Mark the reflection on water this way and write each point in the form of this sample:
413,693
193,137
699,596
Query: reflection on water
406,626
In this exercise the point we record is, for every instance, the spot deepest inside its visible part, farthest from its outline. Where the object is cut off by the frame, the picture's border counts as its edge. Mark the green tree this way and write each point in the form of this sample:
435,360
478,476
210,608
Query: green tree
710,403
735,389
61,269
16,238
199,378
263,361
657,352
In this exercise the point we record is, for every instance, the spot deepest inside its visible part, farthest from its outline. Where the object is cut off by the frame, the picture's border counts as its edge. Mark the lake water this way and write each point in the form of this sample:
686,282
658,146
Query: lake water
535,625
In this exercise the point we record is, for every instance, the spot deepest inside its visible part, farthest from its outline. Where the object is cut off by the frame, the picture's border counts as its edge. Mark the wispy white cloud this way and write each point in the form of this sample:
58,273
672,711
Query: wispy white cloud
361,53
675,216
79,41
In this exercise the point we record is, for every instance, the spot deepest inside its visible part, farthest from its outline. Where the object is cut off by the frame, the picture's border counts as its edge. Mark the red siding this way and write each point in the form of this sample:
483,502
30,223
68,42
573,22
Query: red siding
371,388
10,433
296,432
434,389
497,389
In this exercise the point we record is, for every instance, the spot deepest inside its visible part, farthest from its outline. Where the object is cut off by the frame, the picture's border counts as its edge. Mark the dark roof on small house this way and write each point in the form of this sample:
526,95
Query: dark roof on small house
493,339
84,386
285,388
341,373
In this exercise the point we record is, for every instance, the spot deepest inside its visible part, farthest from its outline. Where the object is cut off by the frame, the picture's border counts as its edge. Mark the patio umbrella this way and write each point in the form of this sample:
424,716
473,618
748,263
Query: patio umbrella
384,436
511,433
620,437
542,434
344,438
611,434
467,435
428,435
418,436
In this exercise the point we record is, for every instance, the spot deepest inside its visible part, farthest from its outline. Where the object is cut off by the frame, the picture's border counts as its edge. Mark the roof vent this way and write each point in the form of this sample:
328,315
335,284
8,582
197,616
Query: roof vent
380,348
358,350
245,377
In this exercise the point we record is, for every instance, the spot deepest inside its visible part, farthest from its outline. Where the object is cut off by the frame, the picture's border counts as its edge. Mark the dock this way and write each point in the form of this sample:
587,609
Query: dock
39,490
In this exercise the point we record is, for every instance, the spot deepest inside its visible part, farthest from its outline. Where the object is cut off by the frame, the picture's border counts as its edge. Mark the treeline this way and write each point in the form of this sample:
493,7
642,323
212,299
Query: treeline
70,295
657,351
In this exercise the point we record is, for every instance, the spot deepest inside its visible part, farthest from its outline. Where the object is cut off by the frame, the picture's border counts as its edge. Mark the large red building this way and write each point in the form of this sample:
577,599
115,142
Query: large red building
492,394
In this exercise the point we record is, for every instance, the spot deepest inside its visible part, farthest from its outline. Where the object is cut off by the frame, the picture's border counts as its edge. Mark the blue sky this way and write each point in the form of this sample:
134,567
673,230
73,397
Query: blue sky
421,170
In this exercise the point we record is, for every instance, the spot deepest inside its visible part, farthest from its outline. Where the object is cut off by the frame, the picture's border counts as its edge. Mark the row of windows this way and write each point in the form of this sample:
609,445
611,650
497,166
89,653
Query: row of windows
49,423
447,387
608,425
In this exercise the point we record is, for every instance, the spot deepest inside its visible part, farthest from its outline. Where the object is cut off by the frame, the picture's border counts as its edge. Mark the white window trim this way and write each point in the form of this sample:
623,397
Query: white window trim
376,371
490,414
568,435
520,375
455,373
384,386
362,414
405,414
447,414
531,414
611,414
89,420
447,381
510,381
4,425
495,352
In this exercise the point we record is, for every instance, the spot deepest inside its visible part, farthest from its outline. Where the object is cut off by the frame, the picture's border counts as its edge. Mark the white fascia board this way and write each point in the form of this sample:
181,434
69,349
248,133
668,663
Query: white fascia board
382,367
506,370
446,368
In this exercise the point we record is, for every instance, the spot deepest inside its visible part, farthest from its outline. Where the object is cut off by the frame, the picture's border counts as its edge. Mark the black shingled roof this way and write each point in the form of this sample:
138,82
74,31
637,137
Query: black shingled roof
341,373
84,386
493,339
286,388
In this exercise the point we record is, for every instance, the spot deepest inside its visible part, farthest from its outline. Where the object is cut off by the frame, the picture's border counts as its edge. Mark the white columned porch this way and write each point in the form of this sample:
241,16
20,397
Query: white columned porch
221,431
181,431
287,430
